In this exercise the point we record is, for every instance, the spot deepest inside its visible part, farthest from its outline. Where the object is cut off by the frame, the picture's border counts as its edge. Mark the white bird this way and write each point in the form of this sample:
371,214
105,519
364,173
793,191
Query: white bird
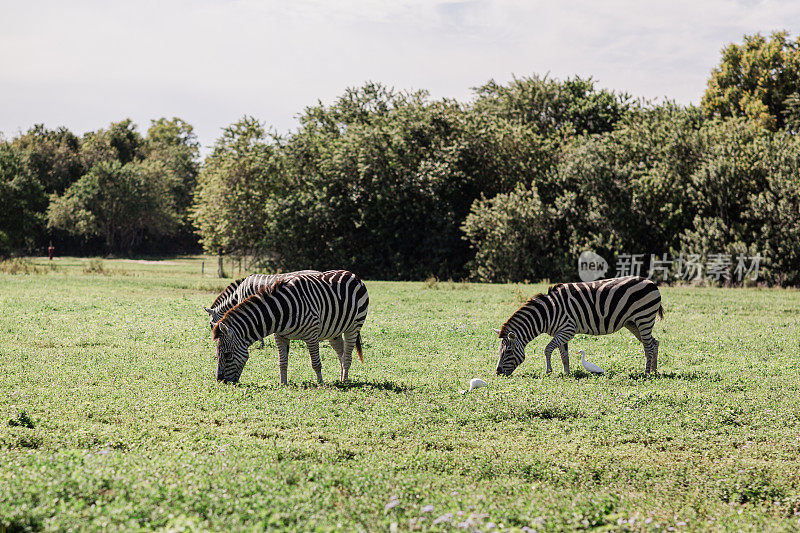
591,367
475,383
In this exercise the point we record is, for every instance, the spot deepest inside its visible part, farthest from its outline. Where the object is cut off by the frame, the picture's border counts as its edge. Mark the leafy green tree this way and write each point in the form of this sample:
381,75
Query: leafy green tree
553,107
359,196
22,201
747,200
380,182
792,113
774,215
756,79
119,203
173,143
52,156
233,187
738,159
120,142
136,190
620,191
627,188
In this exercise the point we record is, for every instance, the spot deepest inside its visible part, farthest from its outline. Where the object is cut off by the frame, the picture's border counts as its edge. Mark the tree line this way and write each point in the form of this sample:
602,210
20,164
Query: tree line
512,185
112,190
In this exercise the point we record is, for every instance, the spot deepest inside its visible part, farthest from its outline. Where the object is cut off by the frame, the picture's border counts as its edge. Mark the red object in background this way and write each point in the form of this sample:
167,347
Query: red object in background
50,250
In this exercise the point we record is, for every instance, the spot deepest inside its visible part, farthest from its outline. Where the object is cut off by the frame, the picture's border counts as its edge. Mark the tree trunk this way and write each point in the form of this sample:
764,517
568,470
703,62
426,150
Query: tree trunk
220,268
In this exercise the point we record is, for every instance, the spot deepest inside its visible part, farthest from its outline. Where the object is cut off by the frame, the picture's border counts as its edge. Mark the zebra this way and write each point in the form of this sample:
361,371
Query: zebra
596,308
240,290
311,307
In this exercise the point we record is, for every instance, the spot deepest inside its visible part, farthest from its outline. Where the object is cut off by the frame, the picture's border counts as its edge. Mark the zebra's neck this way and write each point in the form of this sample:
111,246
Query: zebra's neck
253,319
542,314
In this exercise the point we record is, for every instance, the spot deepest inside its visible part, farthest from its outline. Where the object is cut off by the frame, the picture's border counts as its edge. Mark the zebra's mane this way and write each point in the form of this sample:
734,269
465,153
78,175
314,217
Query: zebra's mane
263,291
227,291
529,301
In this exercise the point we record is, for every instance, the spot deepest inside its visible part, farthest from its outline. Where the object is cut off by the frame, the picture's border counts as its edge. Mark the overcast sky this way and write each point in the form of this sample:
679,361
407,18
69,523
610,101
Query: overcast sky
84,64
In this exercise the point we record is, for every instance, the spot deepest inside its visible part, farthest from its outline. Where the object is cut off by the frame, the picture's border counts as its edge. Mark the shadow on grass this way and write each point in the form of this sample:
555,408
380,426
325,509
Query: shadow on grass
578,373
691,375
558,374
389,386
541,412
583,374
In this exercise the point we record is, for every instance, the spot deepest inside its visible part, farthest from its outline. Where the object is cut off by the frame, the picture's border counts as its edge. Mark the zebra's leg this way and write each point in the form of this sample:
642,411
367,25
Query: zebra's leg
283,356
562,349
347,355
316,362
654,359
547,351
650,347
648,354
635,330
562,337
338,346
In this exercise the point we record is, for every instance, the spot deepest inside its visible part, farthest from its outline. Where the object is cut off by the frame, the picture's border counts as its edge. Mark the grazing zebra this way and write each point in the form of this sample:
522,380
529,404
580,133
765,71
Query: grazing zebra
312,307
595,308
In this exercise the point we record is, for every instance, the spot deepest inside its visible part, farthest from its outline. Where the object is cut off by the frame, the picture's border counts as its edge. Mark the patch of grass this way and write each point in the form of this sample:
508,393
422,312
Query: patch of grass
750,485
125,427
97,265
94,266
530,414
22,420
433,283
24,265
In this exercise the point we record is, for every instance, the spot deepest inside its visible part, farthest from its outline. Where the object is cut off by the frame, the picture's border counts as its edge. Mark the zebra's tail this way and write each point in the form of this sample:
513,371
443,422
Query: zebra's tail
661,312
358,347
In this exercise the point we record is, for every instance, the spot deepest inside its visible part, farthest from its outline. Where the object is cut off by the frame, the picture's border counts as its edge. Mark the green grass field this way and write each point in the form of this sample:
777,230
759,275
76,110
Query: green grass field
110,416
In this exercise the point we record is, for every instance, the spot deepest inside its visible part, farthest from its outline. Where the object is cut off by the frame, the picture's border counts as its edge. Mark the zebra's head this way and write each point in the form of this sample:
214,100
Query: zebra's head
213,315
232,353
512,352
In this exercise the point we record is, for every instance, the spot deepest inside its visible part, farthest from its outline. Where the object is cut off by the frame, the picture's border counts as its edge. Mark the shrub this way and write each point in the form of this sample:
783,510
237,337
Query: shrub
94,266
513,238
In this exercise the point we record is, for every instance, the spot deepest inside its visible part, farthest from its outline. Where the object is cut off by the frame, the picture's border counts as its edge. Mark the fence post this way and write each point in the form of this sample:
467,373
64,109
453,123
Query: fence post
203,268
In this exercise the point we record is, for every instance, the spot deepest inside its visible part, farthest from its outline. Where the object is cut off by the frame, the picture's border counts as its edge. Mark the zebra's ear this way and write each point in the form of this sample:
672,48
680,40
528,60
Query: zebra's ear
496,330
207,310
223,327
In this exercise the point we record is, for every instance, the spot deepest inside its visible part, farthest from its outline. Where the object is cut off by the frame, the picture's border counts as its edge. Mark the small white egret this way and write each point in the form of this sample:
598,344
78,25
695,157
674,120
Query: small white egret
475,383
591,367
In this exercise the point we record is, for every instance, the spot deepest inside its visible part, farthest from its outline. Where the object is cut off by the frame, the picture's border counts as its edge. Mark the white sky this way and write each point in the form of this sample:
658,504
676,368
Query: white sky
84,64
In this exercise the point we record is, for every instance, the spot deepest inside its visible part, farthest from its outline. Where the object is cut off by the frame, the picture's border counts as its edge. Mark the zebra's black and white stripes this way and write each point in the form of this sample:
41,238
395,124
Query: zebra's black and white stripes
241,289
596,308
311,307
